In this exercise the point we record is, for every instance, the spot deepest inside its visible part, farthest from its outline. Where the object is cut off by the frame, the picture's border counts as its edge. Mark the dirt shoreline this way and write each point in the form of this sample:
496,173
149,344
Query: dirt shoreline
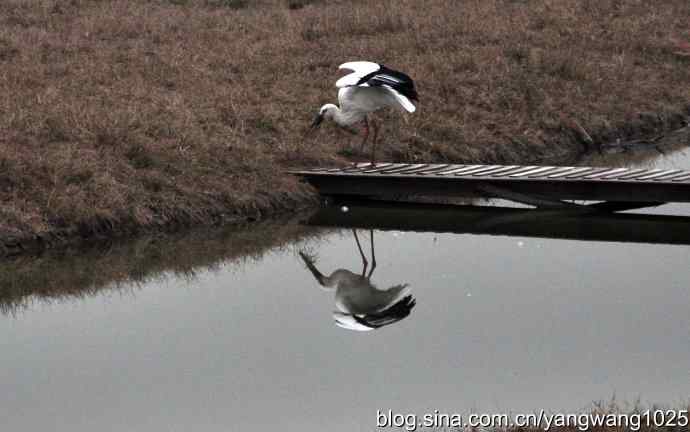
81,237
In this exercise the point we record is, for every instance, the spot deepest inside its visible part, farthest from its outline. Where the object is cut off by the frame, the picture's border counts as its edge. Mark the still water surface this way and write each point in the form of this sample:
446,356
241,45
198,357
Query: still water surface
501,323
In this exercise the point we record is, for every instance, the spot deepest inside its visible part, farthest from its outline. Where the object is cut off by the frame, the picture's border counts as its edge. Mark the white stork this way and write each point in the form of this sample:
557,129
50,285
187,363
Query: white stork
370,87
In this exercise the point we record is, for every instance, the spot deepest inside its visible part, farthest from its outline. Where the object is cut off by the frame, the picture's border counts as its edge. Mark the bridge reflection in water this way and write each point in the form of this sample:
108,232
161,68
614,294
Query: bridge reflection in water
466,219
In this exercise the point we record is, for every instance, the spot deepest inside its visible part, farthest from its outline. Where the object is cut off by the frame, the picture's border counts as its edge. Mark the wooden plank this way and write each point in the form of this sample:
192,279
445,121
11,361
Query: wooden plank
655,176
632,174
397,169
482,171
433,169
553,170
517,173
532,172
674,177
581,174
675,173
472,171
381,167
412,169
606,173
682,178
560,172
354,169
502,171
458,169
569,172
616,174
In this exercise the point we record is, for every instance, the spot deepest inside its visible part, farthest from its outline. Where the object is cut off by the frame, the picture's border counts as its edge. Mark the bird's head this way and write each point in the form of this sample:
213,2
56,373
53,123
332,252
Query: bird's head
325,112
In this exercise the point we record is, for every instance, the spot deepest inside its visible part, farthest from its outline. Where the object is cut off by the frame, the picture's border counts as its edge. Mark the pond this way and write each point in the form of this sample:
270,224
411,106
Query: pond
232,330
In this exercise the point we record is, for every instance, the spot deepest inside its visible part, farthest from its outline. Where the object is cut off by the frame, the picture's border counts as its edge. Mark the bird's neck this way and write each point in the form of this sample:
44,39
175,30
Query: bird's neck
346,118
344,278
339,116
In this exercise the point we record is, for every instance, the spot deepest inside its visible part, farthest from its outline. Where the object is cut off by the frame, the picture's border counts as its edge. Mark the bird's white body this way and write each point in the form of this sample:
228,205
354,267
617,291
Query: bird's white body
359,305
356,298
368,88
358,96
355,294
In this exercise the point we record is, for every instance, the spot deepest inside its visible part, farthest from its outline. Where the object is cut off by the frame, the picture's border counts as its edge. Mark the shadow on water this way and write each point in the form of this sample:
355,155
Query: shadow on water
129,264
360,305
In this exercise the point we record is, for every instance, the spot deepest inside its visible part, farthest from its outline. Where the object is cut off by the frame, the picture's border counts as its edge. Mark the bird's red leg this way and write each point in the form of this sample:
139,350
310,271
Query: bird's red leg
375,126
373,255
366,135
364,259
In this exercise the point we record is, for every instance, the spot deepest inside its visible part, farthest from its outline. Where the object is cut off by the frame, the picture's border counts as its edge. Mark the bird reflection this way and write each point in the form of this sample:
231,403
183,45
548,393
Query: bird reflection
360,306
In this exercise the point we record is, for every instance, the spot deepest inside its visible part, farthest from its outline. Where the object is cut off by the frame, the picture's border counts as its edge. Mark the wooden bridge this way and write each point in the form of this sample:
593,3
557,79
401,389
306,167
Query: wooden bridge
540,186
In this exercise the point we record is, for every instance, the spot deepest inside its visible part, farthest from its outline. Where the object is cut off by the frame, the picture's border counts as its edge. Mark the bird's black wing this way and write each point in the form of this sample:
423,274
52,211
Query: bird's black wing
395,313
386,77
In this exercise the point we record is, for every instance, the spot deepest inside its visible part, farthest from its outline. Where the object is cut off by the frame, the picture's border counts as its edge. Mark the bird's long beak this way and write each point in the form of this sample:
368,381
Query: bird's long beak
309,262
317,121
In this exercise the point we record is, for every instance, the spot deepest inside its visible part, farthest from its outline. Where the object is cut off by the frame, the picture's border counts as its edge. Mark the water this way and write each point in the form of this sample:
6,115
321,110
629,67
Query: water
231,331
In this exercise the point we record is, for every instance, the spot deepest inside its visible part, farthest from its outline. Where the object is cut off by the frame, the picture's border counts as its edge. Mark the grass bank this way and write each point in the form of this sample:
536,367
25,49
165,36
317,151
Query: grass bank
130,115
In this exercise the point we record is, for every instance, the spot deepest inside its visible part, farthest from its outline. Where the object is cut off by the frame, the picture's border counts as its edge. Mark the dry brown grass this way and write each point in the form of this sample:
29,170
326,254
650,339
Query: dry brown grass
130,114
